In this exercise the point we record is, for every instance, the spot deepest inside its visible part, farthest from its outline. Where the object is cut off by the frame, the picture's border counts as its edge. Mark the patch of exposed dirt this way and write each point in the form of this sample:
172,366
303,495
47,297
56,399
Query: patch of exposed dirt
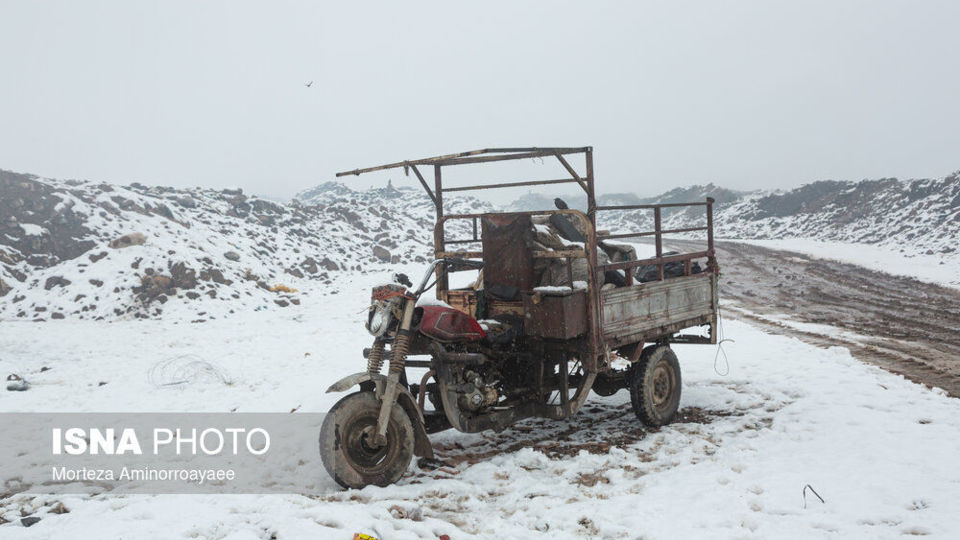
900,324
595,430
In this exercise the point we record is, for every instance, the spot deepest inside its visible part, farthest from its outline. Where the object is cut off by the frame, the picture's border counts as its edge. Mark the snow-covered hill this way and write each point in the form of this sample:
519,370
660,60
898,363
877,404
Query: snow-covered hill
198,254
915,217
92,250
540,201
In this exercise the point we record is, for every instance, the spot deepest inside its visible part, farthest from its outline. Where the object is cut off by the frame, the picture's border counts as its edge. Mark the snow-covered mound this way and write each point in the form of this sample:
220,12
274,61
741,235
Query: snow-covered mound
914,217
94,250
544,201
406,202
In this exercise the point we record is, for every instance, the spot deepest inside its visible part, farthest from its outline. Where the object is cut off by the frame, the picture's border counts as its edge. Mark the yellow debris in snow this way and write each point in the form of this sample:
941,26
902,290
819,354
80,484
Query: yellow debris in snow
282,288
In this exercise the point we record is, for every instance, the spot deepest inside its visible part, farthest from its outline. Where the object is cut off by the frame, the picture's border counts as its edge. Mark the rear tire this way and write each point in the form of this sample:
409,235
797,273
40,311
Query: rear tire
346,447
655,386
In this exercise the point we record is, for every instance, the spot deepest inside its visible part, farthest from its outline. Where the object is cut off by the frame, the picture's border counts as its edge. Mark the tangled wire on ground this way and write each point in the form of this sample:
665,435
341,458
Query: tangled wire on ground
185,369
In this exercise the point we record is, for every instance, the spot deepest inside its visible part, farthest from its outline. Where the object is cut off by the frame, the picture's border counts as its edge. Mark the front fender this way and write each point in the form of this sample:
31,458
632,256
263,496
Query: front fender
406,400
350,381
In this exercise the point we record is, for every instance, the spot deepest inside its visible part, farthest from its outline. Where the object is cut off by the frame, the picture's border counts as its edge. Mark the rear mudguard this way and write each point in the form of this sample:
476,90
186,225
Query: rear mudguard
421,443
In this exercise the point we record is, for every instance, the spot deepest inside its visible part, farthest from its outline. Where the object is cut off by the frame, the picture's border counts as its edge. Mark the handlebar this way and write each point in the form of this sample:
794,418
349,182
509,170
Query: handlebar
467,264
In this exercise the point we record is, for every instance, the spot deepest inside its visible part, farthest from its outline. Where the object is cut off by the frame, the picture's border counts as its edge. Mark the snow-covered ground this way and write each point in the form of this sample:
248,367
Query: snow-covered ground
940,269
880,450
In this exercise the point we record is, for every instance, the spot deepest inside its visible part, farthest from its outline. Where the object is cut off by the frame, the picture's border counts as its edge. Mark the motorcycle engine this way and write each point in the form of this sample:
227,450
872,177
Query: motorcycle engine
477,394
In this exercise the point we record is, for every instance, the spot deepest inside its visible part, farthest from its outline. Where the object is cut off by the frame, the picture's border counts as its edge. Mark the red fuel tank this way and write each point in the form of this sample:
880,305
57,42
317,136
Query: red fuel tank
449,325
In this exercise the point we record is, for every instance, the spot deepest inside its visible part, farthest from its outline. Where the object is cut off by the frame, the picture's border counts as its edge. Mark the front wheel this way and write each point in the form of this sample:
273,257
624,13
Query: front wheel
655,386
347,448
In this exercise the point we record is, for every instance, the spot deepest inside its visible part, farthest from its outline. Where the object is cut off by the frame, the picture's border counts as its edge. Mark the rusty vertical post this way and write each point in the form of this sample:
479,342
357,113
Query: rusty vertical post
711,259
709,223
439,242
591,198
594,312
659,242
564,365
715,270
438,189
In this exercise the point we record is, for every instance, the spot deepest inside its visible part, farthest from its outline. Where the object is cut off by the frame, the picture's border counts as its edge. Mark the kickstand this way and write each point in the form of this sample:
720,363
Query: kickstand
431,464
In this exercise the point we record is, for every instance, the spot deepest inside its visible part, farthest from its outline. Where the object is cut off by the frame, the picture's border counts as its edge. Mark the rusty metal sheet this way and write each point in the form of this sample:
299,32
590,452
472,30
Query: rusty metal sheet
555,316
640,309
506,252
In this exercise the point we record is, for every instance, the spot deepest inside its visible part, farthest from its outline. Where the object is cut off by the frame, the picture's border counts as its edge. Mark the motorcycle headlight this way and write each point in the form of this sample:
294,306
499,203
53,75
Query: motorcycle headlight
379,318
383,302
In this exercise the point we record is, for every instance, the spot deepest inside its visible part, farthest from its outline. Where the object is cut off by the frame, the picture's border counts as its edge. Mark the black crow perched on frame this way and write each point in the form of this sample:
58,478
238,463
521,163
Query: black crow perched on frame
563,225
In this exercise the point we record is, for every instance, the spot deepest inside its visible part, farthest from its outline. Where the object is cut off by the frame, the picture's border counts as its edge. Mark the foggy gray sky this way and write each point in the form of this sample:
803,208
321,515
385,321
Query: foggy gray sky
745,94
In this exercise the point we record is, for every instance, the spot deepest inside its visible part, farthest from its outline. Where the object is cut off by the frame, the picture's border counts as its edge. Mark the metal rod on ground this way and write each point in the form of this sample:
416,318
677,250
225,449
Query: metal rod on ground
808,486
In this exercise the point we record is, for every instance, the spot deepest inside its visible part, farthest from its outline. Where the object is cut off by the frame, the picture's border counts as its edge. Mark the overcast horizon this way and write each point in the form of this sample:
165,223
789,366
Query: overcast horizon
747,95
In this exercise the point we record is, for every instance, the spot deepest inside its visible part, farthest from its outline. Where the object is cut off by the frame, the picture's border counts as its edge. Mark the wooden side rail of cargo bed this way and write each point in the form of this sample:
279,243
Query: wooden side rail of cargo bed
657,310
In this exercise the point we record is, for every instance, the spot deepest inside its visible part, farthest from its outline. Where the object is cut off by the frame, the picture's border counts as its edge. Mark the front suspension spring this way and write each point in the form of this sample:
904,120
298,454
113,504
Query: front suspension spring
375,358
398,353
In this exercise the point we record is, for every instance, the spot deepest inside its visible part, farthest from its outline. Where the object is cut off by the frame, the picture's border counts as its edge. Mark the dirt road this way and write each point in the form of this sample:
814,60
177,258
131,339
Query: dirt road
900,324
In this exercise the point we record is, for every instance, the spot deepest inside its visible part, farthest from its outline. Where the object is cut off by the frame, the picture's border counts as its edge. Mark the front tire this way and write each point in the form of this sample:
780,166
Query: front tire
346,442
655,386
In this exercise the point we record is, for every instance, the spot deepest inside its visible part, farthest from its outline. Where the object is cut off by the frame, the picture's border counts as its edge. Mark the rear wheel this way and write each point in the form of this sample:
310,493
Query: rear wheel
655,386
347,448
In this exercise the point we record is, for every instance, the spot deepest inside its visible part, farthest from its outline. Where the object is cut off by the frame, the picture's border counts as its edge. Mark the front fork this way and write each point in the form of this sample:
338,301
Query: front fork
398,357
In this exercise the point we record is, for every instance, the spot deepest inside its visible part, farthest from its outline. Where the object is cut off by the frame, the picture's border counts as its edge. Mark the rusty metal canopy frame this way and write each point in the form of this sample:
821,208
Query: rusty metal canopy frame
489,155
586,182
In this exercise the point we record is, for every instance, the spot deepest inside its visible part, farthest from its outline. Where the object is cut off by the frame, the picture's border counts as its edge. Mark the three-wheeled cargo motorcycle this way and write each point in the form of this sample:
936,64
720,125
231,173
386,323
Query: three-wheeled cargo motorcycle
554,305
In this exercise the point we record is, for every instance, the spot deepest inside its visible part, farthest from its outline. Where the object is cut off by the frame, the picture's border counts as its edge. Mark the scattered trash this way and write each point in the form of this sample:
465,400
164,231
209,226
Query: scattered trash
16,383
399,512
805,488
59,508
361,536
282,288
185,369
437,466
127,240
